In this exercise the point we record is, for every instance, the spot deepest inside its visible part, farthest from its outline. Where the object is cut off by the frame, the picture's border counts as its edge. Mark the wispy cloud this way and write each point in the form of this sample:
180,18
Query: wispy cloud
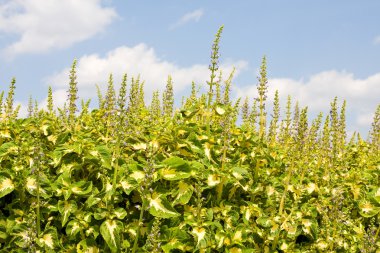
193,16
43,26
376,41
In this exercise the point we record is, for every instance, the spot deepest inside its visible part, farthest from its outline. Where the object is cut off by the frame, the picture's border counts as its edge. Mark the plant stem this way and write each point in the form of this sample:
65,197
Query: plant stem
377,233
135,244
38,199
116,169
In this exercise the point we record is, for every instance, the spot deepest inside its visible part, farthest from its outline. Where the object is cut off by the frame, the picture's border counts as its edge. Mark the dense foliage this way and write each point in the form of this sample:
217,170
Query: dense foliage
128,177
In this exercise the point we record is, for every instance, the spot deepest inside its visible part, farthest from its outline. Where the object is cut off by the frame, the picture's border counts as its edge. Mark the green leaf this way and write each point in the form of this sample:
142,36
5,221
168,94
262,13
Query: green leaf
173,174
73,228
128,184
376,195
199,234
87,246
139,146
105,156
367,209
264,222
174,162
100,213
66,208
185,191
49,239
188,114
220,110
110,231
6,185
120,213
159,206
81,188
92,200
5,134
8,148
213,180
175,169
31,187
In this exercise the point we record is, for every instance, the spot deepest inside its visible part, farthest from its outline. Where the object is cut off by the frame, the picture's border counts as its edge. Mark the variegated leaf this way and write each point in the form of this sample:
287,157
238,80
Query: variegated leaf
159,206
66,208
73,228
110,231
81,188
367,209
49,239
6,185
185,191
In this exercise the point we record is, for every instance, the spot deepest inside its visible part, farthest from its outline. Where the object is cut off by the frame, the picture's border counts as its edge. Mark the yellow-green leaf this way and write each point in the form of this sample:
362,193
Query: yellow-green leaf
110,231
367,209
213,180
81,188
48,239
159,206
6,185
73,228
185,191
220,110
66,208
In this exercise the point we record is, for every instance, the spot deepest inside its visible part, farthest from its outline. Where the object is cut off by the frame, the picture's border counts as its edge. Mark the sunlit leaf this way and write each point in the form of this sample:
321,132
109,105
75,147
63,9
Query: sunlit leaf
137,175
159,206
220,110
8,148
265,222
5,134
128,184
185,191
139,146
120,213
73,228
49,239
110,231
213,179
81,188
6,185
66,208
87,246
367,209
105,156
199,234
31,187
376,195
175,169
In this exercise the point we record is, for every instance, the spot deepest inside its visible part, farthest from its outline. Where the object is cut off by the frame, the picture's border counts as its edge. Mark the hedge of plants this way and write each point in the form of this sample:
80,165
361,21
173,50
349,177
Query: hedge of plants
131,177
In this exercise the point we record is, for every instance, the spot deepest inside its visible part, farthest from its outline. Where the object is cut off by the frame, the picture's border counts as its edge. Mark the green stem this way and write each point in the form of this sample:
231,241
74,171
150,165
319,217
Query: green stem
135,244
377,233
199,205
38,201
221,185
209,103
116,170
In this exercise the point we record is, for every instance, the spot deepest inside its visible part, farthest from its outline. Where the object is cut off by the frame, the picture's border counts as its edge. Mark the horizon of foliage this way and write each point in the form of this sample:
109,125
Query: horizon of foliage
132,177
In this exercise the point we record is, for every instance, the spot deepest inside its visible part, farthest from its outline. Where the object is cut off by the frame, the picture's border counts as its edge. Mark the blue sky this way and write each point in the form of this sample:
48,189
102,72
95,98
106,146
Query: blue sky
316,50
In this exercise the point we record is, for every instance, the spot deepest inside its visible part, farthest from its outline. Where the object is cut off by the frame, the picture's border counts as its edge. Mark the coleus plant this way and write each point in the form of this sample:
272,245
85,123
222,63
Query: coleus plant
127,177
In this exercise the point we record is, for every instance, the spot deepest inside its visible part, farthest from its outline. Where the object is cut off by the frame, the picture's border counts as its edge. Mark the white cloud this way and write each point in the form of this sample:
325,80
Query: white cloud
188,17
377,40
45,25
59,99
140,59
317,92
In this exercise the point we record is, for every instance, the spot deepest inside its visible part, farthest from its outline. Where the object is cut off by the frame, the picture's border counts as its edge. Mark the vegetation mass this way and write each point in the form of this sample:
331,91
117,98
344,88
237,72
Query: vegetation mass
131,177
